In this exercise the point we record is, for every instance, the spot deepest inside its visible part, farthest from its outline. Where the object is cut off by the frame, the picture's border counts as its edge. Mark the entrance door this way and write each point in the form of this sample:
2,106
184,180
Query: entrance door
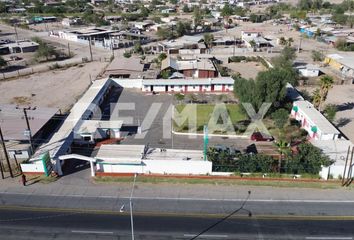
212,87
151,88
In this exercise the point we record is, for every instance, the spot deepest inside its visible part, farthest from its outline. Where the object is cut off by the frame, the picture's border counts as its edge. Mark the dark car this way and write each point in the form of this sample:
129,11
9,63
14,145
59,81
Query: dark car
258,136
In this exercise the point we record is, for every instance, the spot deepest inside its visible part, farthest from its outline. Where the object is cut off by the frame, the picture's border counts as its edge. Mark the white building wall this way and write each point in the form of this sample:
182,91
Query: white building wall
309,72
36,166
23,155
218,87
336,171
160,167
189,51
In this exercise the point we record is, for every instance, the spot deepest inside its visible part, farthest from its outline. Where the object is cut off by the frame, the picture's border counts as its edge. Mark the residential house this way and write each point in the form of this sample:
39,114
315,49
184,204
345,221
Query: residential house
344,64
192,68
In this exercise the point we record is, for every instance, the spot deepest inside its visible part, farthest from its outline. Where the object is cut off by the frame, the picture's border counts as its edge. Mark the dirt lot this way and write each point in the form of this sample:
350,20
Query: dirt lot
246,69
342,96
59,88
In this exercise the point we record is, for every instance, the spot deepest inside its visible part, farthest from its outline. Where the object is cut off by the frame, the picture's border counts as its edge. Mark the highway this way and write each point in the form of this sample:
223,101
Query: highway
25,223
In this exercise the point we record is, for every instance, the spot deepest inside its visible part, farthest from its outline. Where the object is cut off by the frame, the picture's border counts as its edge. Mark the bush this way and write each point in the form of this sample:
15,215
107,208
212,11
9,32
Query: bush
127,54
237,58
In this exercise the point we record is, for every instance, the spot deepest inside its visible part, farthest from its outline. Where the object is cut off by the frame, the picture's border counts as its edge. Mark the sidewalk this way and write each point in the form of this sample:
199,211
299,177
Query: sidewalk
79,184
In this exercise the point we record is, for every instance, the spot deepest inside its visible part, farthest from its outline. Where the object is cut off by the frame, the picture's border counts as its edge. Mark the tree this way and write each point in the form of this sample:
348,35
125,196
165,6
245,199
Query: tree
197,17
138,48
317,56
309,159
3,62
127,54
283,149
290,41
226,12
45,51
316,98
282,41
271,86
305,4
253,44
182,28
179,97
285,59
208,39
280,117
185,8
326,84
161,57
330,112
165,74
163,33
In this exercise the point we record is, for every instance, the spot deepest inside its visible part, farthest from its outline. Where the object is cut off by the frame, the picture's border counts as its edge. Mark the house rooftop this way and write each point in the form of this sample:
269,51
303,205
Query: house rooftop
194,81
179,65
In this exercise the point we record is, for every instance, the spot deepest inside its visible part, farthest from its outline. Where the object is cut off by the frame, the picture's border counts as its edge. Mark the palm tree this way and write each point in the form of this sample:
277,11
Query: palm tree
283,149
282,41
290,41
253,44
208,39
316,98
326,84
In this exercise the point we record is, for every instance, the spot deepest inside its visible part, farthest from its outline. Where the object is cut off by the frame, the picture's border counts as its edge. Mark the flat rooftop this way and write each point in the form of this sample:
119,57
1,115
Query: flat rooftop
133,154
174,154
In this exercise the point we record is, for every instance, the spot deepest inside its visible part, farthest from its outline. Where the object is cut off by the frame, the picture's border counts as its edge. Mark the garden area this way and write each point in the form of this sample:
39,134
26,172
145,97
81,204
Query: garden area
206,113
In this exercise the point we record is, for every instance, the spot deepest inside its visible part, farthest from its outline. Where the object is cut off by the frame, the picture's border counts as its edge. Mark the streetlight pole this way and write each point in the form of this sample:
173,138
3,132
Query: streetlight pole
131,208
28,126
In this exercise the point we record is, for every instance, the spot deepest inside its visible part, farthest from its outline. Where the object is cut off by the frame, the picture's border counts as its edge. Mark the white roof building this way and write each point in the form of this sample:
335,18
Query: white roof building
318,127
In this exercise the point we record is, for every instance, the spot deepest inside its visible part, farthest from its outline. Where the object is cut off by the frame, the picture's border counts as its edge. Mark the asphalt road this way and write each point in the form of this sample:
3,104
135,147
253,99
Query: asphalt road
42,224
258,207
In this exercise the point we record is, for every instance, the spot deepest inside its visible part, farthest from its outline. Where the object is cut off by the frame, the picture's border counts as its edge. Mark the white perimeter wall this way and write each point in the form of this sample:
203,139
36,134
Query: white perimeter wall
335,171
160,167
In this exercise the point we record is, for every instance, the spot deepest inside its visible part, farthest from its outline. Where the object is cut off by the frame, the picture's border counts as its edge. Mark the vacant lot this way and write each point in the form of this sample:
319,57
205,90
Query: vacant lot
246,69
59,88
206,112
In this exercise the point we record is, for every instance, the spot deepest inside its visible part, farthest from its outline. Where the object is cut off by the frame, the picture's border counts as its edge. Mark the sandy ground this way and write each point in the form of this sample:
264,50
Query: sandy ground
342,96
247,69
59,88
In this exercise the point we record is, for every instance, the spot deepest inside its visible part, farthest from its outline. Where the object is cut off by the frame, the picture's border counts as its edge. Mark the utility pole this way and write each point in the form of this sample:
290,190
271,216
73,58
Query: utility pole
69,49
6,155
28,126
2,170
299,48
90,49
16,32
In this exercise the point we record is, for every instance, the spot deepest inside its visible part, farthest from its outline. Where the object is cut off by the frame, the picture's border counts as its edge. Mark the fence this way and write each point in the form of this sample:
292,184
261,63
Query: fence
47,67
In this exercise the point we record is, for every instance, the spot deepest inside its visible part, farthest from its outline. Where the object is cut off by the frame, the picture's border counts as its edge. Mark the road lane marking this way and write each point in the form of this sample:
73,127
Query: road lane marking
206,236
329,238
90,232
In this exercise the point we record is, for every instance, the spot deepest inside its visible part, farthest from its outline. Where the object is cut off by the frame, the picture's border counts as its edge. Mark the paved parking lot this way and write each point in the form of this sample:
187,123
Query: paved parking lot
154,133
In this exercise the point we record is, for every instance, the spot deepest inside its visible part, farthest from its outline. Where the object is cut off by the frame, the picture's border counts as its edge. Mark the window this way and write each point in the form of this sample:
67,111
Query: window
18,152
86,138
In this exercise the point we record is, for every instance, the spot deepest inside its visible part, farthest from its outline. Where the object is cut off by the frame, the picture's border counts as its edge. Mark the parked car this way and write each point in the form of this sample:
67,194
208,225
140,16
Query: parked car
258,136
